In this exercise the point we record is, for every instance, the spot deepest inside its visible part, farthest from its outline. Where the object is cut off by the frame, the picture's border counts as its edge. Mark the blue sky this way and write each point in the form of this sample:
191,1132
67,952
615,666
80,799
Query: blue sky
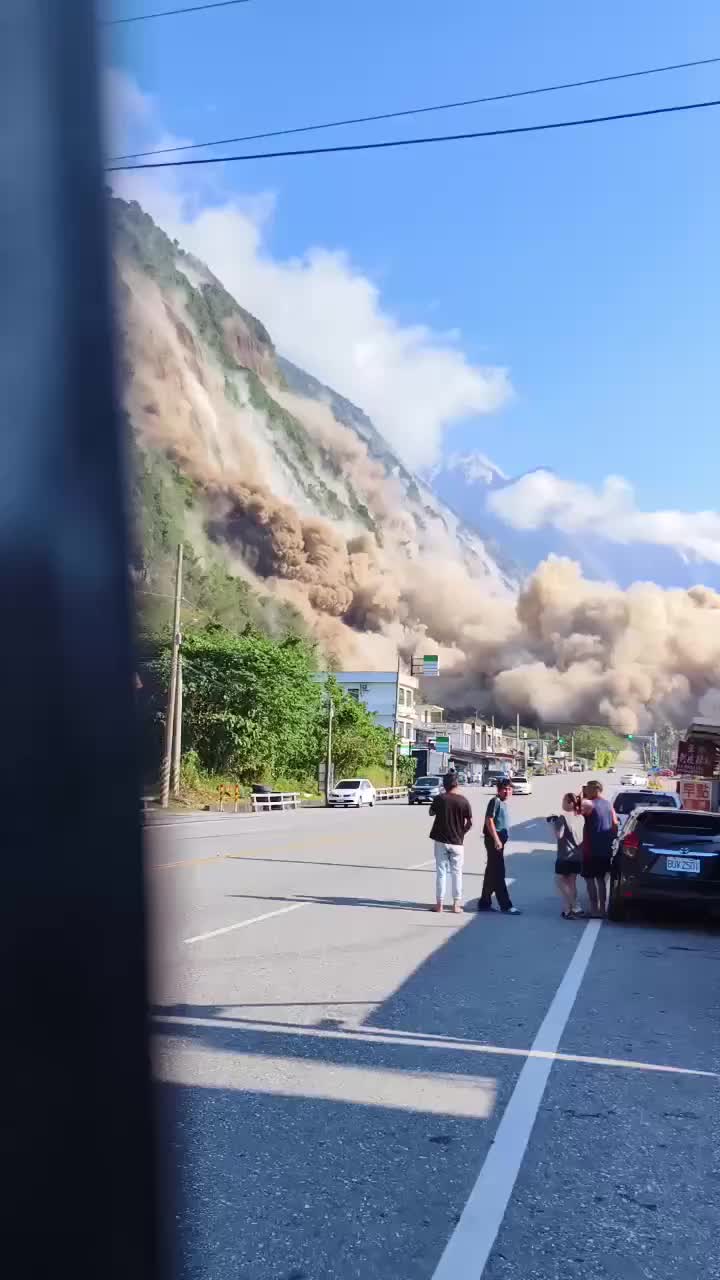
584,261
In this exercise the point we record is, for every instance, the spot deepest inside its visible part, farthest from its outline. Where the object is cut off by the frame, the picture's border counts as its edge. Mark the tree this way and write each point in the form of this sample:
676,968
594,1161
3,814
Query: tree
251,707
358,741
597,743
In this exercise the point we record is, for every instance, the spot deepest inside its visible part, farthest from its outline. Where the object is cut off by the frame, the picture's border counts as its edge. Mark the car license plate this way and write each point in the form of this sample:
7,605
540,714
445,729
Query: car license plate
683,864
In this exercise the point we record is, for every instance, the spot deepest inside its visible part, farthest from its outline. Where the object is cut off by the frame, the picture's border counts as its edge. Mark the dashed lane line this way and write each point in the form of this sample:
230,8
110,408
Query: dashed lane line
243,924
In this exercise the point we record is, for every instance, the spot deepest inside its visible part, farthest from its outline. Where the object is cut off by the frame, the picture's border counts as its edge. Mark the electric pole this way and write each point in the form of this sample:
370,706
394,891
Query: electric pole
395,724
328,759
172,692
177,743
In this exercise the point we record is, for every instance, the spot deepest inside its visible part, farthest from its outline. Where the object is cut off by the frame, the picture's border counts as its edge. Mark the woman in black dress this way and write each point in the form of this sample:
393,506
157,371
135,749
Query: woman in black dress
568,827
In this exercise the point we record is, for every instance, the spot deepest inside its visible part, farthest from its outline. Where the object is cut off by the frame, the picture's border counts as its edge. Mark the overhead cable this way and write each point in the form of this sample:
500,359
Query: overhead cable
415,142
416,111
170,13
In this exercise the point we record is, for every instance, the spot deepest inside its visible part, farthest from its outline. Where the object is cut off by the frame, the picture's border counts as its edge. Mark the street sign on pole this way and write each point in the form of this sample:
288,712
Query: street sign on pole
431,664
442,742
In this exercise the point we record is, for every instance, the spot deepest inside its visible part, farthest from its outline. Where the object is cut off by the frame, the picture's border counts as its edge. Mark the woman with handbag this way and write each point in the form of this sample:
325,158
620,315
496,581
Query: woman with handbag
568,827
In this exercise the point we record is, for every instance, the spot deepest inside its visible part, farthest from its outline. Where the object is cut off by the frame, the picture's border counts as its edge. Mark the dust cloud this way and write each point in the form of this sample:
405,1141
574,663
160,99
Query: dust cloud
560,648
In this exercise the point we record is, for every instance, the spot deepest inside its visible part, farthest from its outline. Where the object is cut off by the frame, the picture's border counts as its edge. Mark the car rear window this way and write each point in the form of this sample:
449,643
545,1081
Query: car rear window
677,822
629,800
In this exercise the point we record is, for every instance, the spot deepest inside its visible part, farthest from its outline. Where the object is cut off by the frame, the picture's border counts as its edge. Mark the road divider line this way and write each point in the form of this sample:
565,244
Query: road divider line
243,924
469,1247
188,862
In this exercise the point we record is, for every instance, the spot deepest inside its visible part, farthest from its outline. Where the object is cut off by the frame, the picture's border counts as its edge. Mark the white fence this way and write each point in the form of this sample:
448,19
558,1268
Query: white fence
274,800
391,793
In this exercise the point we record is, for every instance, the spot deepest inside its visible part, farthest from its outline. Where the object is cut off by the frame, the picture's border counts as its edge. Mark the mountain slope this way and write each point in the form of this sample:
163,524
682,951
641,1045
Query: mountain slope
294,506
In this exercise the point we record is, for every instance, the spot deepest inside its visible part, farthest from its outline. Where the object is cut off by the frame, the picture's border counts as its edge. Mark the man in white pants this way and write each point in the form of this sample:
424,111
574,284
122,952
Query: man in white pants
453,820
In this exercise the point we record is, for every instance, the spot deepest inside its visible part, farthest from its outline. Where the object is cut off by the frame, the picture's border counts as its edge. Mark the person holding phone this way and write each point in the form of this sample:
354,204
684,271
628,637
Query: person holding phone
569,829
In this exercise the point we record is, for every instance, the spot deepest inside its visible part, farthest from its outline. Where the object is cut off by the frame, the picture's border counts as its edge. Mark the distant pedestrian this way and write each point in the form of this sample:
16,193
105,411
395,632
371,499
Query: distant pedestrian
599,832
569,831
496,830
453,819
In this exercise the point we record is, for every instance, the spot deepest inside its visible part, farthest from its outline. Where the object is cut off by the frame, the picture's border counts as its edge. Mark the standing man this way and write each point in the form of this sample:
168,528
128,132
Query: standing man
496,829
453,820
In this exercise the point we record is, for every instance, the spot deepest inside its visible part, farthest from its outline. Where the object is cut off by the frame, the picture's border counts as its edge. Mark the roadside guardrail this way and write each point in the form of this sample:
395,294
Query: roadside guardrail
390,793
274,800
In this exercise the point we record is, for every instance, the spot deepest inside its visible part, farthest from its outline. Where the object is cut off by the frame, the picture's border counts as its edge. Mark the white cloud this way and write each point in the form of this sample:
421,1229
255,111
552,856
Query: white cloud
610,512
322,311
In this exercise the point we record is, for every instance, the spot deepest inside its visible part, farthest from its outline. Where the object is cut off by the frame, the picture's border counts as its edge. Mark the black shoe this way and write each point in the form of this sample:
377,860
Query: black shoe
512,911
485,906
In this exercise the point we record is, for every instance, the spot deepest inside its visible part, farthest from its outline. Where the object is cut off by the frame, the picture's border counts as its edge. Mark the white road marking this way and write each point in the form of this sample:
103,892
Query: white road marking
470,1244
243,924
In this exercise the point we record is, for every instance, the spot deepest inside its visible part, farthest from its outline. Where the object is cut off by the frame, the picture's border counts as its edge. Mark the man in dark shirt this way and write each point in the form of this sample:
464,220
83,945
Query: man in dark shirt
497,824
453,820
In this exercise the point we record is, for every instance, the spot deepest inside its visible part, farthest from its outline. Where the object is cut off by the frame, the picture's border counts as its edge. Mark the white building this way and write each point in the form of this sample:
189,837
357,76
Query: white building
390,698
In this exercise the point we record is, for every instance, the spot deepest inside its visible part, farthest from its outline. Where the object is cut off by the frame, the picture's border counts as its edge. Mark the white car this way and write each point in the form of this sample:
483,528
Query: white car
520,785
352,793
633,780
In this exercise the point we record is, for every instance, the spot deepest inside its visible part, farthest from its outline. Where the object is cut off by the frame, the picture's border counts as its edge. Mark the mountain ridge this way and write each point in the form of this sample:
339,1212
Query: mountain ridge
277,481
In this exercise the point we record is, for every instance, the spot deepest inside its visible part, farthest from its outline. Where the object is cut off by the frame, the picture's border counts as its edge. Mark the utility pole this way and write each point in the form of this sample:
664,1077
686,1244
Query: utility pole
572,748
177,743
328,759
172,693
395,724
517,732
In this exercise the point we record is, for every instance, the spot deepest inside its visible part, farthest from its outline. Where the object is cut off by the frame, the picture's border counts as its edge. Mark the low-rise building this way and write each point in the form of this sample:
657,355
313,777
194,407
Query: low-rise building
389,695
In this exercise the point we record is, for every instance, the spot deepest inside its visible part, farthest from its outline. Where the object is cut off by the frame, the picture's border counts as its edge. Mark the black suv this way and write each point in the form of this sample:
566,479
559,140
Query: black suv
671,854
424,790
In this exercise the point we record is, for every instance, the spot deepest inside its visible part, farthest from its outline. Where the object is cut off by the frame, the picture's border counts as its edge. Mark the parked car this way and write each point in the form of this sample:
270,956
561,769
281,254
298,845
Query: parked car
665,853
625,802
423,790
352,793
493,776
521,785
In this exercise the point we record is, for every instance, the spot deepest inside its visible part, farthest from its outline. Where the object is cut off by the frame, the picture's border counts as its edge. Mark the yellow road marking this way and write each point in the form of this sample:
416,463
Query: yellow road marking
249,854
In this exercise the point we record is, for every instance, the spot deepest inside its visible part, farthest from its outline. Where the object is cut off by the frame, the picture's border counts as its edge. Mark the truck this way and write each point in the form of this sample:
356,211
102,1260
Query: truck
429,761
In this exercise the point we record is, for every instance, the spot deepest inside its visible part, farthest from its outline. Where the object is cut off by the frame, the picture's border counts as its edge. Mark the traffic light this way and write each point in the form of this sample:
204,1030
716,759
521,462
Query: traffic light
561,742
629,737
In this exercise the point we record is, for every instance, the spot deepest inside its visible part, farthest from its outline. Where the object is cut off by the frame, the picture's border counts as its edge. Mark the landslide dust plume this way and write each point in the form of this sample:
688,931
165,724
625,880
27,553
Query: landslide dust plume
297,504
591,652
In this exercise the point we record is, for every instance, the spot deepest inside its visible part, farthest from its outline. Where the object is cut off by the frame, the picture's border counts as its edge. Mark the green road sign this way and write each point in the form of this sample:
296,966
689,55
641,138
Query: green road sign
442,743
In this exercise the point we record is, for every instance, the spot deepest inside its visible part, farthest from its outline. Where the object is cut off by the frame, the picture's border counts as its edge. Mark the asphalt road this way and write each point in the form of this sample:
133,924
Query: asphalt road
346,1083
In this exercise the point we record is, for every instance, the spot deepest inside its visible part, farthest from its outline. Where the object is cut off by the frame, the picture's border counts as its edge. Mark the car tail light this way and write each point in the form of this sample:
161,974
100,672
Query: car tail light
631,843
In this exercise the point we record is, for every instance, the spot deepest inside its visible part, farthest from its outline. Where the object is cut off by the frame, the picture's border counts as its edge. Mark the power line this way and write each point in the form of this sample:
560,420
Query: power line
170,13
416,111
415,142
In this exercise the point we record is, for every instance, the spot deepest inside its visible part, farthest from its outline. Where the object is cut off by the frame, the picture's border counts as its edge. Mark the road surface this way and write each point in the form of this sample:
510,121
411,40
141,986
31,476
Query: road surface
359,1088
